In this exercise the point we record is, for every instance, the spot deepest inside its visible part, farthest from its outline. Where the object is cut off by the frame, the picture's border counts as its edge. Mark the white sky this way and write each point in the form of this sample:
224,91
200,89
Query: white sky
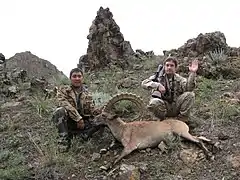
56,30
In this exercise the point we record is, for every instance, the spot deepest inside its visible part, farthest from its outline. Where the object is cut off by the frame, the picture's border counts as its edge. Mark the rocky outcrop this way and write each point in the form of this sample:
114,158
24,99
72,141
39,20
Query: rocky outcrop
2,58
2,66
200,45
36,67
26,74
233,51
141,54
217,59
18,84
106,44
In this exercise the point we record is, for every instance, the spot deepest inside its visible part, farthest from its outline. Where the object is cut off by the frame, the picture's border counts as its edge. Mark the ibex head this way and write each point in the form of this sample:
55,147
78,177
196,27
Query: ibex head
104,118
107,115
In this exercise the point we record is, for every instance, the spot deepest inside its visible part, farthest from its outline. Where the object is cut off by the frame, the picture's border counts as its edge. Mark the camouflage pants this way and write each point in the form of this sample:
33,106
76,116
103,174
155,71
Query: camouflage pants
67,127
182,106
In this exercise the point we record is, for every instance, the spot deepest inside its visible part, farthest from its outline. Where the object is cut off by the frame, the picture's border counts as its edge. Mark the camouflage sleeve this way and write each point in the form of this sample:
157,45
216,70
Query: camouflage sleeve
63,102
189,83
149,83
90,107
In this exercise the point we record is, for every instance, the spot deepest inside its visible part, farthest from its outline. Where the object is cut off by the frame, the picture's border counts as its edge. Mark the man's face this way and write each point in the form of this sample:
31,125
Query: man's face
76,79
170,68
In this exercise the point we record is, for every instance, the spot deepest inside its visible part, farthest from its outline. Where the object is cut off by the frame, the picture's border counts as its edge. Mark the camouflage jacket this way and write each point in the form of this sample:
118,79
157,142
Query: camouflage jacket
180,84
68,99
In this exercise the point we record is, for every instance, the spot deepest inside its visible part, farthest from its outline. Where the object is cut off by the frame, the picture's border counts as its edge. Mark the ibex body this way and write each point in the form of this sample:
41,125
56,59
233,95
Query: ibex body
143,134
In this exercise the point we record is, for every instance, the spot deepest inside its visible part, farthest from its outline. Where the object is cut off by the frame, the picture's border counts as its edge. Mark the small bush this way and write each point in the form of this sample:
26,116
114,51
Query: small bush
217,56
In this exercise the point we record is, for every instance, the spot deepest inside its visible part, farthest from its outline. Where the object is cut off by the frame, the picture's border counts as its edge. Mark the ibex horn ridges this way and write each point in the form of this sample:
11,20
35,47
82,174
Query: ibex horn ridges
137,100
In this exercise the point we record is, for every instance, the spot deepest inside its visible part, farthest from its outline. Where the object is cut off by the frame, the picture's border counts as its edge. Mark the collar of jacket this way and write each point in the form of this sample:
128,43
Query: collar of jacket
70,88
164,74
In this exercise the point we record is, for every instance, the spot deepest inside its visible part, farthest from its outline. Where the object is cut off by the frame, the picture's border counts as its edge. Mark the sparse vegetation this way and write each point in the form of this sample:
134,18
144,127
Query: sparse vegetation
52,165
217,56
15,165
209,93
206,89
60,80
225,111
43,106
29,138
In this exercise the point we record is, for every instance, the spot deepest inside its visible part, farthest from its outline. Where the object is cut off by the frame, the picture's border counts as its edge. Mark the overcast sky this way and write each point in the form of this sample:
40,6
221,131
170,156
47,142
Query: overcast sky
56,30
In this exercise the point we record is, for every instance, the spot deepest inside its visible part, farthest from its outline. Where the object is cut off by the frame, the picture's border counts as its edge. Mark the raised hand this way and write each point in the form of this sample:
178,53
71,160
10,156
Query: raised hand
194,66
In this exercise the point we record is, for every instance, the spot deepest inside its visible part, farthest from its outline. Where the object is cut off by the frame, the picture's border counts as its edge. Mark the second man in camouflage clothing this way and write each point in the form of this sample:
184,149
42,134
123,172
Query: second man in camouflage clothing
172,94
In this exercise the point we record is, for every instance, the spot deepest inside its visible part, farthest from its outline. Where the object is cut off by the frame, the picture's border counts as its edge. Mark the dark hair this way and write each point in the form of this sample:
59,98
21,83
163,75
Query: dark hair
75,70
171,58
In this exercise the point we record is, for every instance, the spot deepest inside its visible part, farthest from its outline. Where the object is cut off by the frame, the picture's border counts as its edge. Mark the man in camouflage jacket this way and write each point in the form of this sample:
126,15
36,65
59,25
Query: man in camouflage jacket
172,94
76,107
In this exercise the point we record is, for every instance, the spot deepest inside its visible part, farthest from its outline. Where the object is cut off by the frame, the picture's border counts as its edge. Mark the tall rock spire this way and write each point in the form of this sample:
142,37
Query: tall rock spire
106,44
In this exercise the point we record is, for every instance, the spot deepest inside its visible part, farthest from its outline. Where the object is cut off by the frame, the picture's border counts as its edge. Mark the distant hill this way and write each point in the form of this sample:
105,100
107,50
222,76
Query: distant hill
36,67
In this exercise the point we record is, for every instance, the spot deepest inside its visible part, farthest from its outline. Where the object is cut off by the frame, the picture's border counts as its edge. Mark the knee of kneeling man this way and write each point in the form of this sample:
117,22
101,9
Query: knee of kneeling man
60,111
156,101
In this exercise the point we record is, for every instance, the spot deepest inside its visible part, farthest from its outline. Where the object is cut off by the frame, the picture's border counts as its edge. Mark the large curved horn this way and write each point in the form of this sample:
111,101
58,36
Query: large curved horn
137,100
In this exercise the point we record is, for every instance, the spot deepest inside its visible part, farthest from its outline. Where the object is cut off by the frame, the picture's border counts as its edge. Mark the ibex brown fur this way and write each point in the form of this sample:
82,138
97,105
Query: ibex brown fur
143,134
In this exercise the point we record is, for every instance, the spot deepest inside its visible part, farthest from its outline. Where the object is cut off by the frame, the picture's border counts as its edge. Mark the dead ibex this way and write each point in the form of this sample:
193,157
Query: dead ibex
143,134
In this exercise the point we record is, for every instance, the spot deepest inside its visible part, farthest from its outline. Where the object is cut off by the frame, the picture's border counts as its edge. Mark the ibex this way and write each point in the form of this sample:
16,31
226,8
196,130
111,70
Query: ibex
143,133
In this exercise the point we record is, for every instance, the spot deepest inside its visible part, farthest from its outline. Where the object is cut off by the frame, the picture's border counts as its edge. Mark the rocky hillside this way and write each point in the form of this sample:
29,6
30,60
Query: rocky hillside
35,66
217,59
28,137
26,74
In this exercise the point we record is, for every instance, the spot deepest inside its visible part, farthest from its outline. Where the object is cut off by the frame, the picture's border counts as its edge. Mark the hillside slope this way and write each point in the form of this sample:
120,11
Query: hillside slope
28,137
